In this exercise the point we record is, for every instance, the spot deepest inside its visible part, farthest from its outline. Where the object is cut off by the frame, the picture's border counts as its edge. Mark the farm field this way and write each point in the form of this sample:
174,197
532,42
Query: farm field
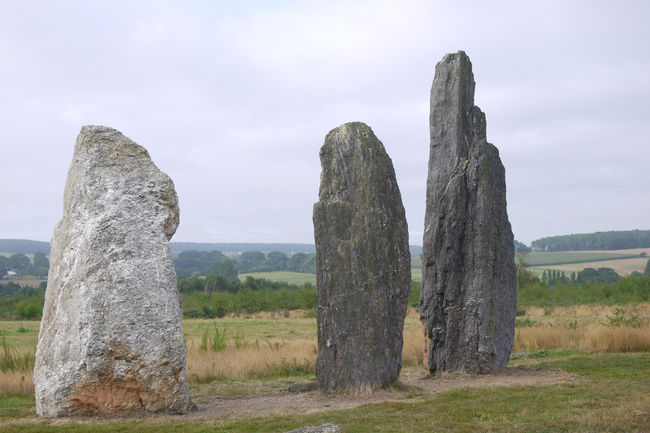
584,367
621,266
302,278
624,262
298,278
568,257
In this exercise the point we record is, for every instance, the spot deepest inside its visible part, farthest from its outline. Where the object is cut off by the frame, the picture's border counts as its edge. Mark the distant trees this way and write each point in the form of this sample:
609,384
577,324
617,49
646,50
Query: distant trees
250,260
41,264
226,268
277,261
19,263
553,277
302,262
614,240
521,247
600,275
196,262
200,263
24,267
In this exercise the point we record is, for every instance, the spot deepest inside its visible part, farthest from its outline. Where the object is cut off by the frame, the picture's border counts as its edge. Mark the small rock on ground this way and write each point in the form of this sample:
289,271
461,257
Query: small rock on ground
324,428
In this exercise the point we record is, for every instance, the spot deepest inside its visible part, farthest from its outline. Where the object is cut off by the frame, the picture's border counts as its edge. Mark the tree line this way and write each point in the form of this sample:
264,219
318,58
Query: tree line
197,263
22,266
187,263
613,240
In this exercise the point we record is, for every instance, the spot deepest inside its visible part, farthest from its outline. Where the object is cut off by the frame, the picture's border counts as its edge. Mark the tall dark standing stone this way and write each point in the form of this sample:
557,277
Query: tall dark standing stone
362,262
468,299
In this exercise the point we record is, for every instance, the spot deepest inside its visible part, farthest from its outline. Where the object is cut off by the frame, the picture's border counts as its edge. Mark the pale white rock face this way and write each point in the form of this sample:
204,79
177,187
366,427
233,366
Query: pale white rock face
111,336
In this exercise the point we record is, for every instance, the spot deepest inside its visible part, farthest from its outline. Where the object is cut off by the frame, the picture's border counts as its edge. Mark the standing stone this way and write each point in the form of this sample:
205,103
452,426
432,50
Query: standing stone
111,337
468,299
362,262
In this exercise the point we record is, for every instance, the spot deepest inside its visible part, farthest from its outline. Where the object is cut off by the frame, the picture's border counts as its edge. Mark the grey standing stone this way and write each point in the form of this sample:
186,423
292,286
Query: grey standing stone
468,299
111,336
362,263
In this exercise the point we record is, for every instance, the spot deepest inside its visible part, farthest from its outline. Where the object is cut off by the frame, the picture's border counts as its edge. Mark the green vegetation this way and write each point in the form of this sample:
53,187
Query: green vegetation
533,292
297,278
239,247
247,300
23,266
611,395
613,240
21,302
198,263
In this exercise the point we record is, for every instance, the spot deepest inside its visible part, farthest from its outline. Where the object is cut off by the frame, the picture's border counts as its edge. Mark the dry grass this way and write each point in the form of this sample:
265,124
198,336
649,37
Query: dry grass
621,266
592,337
246,357
584,313
586,327
16,381
251,359
267,346
413,349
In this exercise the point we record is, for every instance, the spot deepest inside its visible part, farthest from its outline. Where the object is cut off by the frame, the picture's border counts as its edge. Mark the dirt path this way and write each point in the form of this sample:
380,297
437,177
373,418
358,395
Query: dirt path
413,383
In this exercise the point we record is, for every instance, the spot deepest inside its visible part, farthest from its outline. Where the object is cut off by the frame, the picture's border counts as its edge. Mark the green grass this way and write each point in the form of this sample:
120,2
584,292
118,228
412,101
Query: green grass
627,290
300,278
297,278
611,395
568,257
253,328
14,406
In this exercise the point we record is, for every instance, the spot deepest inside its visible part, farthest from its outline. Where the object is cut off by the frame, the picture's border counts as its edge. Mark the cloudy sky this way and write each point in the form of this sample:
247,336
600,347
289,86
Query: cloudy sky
233,100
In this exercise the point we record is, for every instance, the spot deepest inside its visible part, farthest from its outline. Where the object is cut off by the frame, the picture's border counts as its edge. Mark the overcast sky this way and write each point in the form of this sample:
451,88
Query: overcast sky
233,101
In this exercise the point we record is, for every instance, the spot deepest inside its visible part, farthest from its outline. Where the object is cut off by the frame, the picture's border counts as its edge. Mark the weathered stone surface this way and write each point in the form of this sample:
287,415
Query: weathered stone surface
467,304
111,336
362,262
323,428
303,387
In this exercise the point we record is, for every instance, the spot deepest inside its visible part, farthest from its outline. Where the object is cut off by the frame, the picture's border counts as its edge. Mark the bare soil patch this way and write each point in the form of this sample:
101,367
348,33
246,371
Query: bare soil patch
413,383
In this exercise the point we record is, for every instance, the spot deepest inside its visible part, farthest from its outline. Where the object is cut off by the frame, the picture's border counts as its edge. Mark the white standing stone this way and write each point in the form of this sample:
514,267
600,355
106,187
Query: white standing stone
111,336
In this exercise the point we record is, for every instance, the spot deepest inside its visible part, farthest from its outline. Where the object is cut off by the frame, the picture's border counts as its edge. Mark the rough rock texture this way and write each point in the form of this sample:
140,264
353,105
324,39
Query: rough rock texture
111,336
362,262
323,428
303,387
467,304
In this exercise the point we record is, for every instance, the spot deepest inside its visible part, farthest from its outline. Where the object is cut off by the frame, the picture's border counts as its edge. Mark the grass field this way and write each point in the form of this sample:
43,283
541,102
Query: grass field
624,262
571,257
300,278
621,266
607,348
289,277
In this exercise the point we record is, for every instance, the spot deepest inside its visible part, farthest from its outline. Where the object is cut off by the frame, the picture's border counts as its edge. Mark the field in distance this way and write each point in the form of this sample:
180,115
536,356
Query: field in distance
624,262
301,278
286,276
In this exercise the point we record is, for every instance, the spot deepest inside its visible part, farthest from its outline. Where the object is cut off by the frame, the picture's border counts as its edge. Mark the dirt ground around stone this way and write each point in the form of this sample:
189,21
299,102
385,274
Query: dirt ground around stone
412,384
